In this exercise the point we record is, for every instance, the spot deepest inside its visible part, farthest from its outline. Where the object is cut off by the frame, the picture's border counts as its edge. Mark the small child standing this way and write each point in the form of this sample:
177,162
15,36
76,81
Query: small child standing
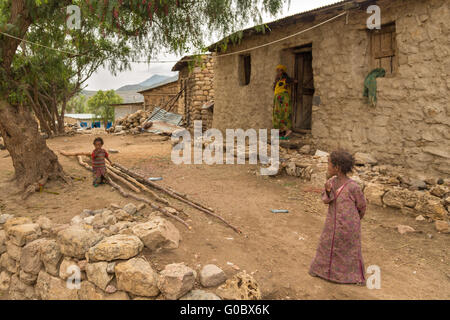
338,257
98,162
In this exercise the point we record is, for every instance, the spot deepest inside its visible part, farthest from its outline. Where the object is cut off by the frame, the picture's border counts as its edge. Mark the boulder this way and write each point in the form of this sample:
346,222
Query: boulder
27,278
19,290
116,247
398,198
52,288
97,274
14,251
6,262
157,233
45,223
76,240
374,194
136,276
306,149
51,256
16,221
439,191
5,217
241,287
431,206
176,280
88,291
67,268
2,241
364,158
211,276
23,233
200,295
130,208
402,229
442,226
30,260
5,279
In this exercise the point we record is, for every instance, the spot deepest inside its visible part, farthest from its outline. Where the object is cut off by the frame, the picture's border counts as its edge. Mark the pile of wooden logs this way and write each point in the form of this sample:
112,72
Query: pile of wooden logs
131,184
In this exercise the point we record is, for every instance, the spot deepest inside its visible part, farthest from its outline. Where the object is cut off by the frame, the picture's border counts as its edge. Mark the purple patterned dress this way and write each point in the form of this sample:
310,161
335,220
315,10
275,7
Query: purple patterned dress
338,257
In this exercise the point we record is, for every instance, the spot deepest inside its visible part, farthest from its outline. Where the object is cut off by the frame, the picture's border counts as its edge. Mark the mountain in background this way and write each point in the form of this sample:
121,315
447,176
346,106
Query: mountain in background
153,80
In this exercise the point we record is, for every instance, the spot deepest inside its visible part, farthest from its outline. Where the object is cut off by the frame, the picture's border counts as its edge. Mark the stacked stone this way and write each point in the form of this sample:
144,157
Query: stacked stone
383,185
201,85
98,256
132,123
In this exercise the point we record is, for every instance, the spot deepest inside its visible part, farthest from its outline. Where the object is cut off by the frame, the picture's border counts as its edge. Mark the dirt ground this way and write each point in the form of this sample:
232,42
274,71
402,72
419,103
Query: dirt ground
276,248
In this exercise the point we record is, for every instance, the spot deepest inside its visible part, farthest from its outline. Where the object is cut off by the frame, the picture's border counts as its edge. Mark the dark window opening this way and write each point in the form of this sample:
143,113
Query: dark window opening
383,48
246,69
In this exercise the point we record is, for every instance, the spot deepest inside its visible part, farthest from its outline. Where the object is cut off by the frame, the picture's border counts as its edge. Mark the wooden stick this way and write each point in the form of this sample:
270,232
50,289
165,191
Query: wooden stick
154,206
142,179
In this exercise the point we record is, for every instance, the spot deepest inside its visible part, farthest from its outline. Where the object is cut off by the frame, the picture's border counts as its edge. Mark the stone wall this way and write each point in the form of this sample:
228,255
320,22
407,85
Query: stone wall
121,111
160,97
99,256
199,91
410,125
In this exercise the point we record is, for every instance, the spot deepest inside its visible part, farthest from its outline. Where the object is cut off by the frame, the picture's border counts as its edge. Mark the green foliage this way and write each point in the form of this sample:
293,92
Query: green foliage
100,104
77,104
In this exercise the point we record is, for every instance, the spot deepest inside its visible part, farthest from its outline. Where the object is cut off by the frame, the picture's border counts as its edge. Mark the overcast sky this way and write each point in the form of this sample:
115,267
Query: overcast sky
139,72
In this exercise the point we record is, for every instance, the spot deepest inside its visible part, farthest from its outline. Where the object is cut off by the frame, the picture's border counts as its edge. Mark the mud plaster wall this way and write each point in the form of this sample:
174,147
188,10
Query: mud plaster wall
410,125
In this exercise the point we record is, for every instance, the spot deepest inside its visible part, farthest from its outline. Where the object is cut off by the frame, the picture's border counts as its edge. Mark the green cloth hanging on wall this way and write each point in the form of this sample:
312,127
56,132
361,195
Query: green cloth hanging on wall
370,85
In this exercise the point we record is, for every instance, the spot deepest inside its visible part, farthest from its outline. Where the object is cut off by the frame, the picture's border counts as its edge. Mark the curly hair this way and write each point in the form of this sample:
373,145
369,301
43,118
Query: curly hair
342,160
98,139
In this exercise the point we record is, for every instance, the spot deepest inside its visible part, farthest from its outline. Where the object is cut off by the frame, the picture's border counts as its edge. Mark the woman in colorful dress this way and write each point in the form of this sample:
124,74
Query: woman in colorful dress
282,109
338,257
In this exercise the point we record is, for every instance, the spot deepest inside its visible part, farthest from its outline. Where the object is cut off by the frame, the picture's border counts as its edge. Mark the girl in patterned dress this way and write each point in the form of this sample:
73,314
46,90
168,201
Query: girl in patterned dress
338,257
98,162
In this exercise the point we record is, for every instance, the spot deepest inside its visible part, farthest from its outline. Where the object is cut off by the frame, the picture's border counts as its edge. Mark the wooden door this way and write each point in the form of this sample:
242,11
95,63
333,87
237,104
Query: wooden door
303,91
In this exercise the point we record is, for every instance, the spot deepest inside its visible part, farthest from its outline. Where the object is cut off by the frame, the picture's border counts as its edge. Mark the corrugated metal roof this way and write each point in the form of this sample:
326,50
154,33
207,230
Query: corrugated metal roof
159,114
81,116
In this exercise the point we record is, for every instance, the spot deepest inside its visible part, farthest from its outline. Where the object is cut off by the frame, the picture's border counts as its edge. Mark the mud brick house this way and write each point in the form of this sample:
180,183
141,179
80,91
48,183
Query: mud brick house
195,77
121,110
162,95
410,125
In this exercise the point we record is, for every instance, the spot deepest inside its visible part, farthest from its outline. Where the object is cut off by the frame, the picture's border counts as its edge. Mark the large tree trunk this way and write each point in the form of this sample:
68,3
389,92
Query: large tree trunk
33,161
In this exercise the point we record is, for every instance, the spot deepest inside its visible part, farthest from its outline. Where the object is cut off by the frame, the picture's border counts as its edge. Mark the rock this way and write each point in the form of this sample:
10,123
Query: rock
420,218
109,218
119,226
364,158
76,240
211,276
431,206
110,289
14,251
130,208
89,220
2,241
136,276
176,280
77,220
122,215
52,288
374,194
98,221
6,262
67,268
30,261
5,279
23,233
88,291
418,184
442,226
16,221
18,290
5,217
397,198
306,149
439,191
111,267
116,247
402,229
27,278
97,274
320,153
200,295
51,256
45,223
157,233
241,287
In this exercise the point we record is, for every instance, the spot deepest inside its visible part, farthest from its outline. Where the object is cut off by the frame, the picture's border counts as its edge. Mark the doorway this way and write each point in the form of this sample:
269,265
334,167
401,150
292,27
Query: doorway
303,90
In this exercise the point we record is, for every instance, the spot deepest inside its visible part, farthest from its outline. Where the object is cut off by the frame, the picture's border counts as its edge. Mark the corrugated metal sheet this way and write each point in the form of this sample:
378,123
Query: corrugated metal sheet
159,114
